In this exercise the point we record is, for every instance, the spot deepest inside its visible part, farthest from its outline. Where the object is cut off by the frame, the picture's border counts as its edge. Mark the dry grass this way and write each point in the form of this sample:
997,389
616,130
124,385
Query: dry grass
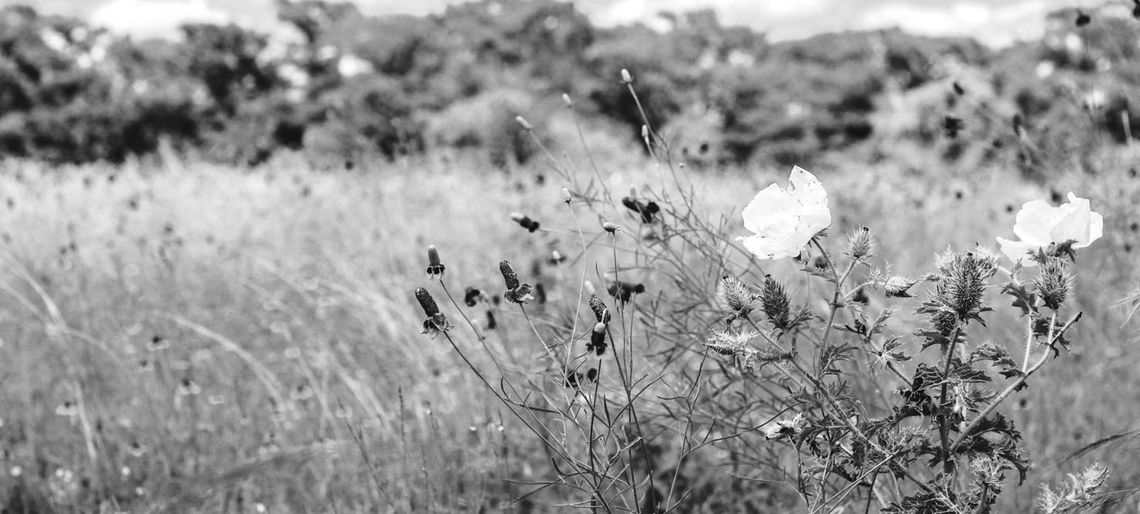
288,369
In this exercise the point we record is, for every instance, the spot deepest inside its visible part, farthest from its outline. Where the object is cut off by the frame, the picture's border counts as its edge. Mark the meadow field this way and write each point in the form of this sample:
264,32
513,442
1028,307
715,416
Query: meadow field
185,337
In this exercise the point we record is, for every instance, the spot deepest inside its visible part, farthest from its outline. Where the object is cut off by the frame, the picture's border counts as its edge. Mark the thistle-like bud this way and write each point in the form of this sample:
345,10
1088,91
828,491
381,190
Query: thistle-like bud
626,78
736,297
523,123
435,268
776,304
897,286
566,100
860,244
962,282
601,312
1054,283
510,278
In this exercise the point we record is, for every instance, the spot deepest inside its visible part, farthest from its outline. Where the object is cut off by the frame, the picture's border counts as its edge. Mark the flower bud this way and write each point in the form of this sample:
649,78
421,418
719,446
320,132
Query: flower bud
860,244
897,286
435,268
610,227
625,76
525,124
597,342
510,278
775,303
427,302
1053,283
566,100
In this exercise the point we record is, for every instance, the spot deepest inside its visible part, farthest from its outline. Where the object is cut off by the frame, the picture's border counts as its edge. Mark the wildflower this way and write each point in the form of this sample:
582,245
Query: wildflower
601,312
645,210
786,428
610,227
736,296
524,221
566,197
1039,226
566,100
625,76
597,342
951,125
784,220
624,291
435,322
962,279
556,258
523,123
472,296
516,292
435,268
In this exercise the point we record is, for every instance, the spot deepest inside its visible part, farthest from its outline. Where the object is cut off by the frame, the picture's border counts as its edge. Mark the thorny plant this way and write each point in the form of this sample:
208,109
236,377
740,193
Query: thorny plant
891,401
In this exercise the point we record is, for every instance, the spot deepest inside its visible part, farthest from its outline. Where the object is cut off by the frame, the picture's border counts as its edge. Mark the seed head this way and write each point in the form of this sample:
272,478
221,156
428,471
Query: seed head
601,312
427,302
435,268
625,76
523,123
510,278
610,227
566,100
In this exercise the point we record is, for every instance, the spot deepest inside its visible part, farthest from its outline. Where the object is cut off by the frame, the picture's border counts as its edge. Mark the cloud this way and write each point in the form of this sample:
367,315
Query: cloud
155,18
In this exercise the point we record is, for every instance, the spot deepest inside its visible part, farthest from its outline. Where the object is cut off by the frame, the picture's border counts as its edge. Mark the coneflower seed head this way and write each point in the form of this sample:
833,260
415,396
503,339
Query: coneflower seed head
510,278
427,302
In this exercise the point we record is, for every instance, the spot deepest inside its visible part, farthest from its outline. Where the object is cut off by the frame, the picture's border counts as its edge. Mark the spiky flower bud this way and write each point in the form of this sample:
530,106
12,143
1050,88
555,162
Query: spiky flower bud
776,304
626,78
435,268
736,346
962,282
601,312
898,286
1054,283
523,123
788,429
860,244
736,297
510,278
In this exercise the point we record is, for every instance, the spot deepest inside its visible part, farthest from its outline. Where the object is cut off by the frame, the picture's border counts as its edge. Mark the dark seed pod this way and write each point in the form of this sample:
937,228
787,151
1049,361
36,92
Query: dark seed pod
471,296
491,323
427,302
597,342
1082,19
510,278
958,89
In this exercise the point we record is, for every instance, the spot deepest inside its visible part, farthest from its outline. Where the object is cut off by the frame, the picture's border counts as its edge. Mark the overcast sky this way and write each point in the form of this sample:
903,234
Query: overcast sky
995,22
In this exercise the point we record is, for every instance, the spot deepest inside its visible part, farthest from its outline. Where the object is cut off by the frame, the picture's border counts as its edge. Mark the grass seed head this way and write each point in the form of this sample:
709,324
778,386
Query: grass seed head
435,268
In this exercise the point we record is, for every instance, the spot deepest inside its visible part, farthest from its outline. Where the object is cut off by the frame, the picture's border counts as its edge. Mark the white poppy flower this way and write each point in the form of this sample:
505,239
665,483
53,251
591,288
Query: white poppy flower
1039,224
784,220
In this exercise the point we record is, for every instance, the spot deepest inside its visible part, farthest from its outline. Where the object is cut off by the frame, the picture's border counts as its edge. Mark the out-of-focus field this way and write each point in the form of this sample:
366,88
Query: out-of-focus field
193,338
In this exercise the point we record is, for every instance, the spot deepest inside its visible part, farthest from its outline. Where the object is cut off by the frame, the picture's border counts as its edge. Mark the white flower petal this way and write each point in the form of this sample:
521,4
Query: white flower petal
1096,229
784,220
1035,220
1018,251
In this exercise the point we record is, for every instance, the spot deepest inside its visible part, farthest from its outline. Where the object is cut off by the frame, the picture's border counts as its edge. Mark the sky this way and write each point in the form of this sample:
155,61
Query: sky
994,22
